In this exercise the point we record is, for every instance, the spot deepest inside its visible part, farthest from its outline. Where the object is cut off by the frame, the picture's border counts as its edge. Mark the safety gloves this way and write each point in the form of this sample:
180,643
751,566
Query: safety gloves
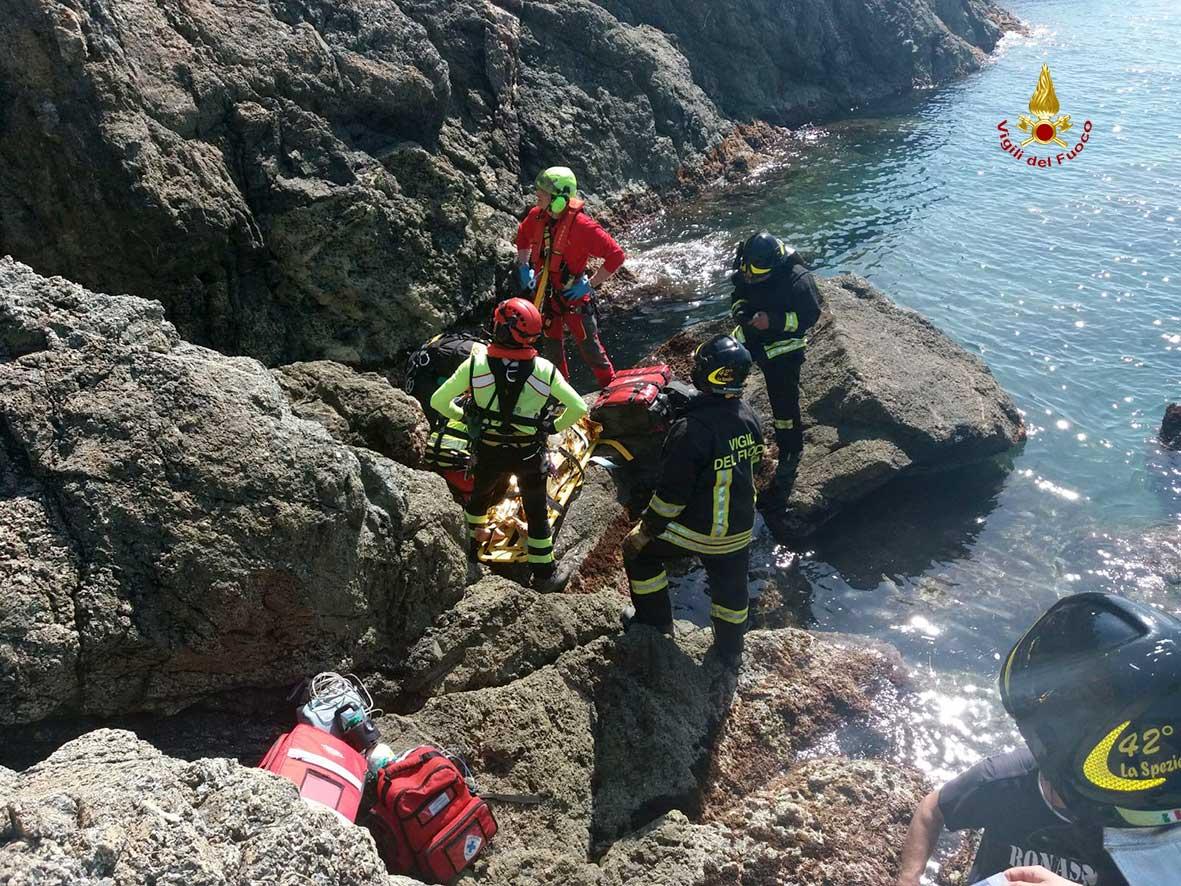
526,279
579,290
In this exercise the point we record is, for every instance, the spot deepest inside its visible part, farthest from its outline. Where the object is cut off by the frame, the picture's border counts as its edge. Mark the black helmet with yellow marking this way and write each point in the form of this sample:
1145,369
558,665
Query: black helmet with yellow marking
720,366
760,255
1095,689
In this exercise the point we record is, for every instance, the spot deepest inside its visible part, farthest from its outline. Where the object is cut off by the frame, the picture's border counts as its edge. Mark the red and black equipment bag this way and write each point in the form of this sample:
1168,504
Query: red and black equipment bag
432,364
324,768
427,821
632,404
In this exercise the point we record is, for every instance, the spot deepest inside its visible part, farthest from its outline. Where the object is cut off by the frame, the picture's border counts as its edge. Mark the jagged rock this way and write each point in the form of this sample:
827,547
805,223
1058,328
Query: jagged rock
829,820
296,181
618,731
500,632
1170,427
884,394
816,58
174,530
108,808
357,408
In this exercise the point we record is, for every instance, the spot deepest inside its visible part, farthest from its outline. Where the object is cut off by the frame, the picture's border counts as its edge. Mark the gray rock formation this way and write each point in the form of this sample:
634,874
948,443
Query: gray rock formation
170,528
296,181
1170,427
645,758
885,394
360,409
108,808
796,62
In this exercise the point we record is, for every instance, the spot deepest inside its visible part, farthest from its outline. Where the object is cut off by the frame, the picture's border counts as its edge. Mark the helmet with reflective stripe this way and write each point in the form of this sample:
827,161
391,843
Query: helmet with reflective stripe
760,255
1095,689
516,321
559,182
720,366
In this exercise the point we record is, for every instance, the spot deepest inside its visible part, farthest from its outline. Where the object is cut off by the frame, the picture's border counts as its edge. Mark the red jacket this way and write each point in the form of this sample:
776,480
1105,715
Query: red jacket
586,240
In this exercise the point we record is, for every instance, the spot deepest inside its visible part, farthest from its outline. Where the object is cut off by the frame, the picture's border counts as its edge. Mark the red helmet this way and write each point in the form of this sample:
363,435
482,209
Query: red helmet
516,321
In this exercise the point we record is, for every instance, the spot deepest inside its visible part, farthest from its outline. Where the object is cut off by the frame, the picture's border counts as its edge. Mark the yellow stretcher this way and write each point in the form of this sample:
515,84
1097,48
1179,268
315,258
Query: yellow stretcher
569,454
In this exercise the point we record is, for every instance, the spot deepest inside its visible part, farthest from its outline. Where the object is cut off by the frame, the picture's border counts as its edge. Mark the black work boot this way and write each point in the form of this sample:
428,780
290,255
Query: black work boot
727,645
542,576
627,618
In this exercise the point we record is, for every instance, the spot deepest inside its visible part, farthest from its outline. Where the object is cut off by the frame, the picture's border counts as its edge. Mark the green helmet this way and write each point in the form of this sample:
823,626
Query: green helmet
560,183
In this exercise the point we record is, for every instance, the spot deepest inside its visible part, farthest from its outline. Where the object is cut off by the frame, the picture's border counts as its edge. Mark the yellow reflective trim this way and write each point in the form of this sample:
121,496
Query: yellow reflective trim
733,616
703,544
721,503
547,557
649,585
706,539
792,322
785,347
664,508
1098,772
784,424
738,335
476,519
756,270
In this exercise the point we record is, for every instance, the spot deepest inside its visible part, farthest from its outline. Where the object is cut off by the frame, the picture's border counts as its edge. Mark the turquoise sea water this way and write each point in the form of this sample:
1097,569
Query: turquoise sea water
1065,280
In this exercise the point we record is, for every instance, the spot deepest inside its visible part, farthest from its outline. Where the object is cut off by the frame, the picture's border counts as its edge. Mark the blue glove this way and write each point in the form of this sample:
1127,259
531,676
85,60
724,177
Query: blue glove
525,277
580,288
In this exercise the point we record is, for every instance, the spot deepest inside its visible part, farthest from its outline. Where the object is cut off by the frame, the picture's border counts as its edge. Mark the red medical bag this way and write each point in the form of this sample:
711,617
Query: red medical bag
325,769
632,403
426,820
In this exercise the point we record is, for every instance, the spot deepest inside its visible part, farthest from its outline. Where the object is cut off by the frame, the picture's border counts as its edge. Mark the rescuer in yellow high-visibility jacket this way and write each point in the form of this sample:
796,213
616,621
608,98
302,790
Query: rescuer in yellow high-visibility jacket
512,395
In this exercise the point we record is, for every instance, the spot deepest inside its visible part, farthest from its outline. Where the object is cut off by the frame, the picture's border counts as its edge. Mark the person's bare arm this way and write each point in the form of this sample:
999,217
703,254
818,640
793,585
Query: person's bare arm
1038,875
925,827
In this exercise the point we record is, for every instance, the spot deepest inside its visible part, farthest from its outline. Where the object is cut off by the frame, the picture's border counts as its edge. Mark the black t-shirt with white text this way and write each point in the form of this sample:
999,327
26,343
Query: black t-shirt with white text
1001,796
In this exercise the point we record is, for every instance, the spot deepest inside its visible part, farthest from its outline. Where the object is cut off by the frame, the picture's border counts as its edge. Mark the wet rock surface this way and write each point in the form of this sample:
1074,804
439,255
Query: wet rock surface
1170,428
174,530
884,394
301,181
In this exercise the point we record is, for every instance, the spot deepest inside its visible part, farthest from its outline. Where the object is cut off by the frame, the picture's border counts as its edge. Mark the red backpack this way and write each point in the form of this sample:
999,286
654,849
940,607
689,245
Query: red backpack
325,769
632,404
426,820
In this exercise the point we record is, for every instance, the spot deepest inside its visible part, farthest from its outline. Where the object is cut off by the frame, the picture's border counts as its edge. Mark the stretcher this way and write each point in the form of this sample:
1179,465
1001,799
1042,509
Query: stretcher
569,454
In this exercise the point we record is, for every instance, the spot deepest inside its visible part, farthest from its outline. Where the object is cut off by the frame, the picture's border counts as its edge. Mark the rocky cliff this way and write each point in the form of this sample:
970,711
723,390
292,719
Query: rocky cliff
304,180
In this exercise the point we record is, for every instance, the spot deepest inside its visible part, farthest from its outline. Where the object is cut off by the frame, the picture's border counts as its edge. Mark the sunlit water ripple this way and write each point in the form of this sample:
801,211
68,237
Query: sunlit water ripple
1065,280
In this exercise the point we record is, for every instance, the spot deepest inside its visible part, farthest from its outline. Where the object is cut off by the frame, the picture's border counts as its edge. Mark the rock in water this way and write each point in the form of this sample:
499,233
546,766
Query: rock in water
296,183
884,394
170,528
1170,427
109,808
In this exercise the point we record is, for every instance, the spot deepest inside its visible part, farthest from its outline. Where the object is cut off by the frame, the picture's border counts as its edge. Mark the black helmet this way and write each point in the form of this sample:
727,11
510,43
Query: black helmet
760,255
1095,689
720,366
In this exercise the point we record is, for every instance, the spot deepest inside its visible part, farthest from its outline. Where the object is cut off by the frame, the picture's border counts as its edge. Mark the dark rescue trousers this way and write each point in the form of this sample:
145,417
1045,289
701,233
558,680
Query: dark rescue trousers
583,326
727,588
494,466
782,375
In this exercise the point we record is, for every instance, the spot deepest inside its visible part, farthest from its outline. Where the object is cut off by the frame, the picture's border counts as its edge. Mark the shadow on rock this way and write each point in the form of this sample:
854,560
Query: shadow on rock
938,516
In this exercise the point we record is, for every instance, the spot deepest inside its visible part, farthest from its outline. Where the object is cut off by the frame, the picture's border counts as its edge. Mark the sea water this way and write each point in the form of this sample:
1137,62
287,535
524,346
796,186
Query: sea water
1064,278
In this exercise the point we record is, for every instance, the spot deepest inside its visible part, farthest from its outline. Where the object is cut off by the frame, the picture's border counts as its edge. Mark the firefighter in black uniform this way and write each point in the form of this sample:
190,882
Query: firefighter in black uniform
704,502
775,302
